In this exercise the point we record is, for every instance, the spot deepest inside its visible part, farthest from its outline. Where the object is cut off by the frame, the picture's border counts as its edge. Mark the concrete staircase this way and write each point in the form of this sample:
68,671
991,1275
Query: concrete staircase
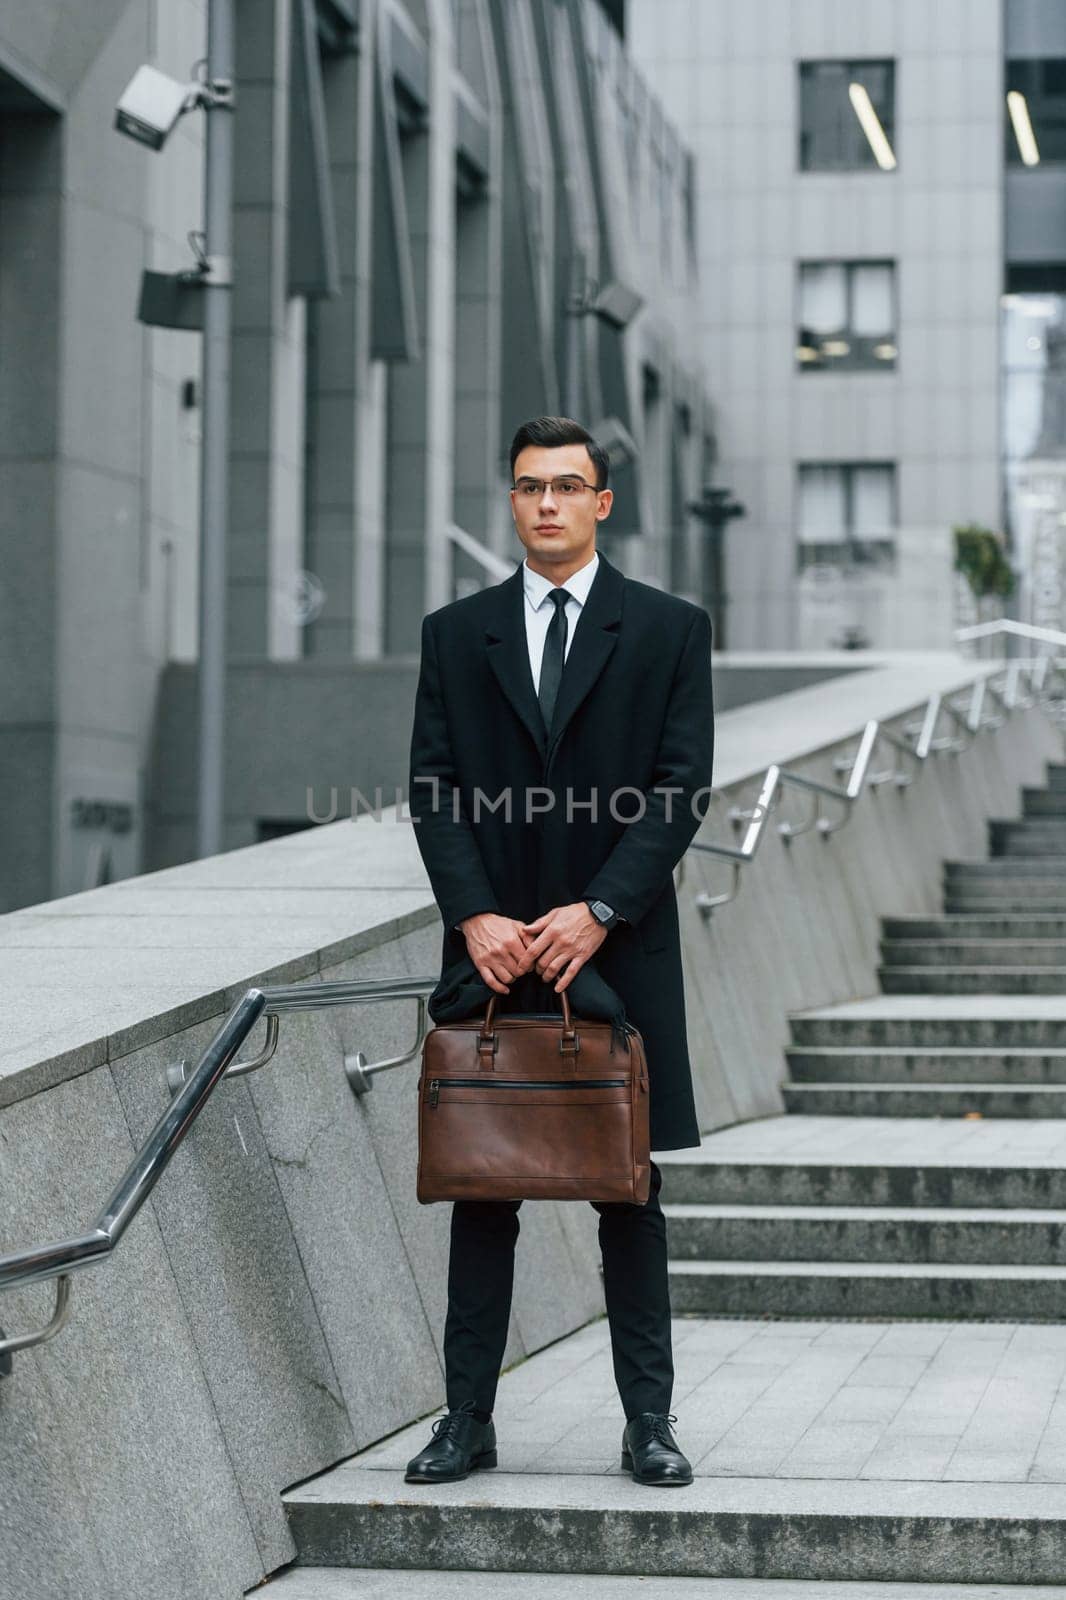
860,1208
1004,931
870,1318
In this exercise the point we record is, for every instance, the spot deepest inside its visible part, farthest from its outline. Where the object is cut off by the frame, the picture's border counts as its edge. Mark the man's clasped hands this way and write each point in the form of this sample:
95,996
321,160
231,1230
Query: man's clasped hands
557,944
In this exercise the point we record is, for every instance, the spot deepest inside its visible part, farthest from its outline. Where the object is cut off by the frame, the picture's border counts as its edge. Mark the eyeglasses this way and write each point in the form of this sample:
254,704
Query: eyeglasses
533,488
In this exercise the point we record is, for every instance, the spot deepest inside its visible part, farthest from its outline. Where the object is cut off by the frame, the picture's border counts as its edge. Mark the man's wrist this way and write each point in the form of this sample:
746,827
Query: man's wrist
470,915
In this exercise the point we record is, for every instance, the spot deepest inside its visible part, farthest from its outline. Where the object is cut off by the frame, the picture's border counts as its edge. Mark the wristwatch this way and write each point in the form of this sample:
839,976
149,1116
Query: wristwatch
603,913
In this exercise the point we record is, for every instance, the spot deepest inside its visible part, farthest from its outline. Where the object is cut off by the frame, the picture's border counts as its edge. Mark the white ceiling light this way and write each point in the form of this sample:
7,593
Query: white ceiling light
871,126
1018,107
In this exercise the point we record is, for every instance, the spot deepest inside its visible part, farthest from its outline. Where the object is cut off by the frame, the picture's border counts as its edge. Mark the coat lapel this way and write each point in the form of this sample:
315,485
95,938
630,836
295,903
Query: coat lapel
508,653
594,639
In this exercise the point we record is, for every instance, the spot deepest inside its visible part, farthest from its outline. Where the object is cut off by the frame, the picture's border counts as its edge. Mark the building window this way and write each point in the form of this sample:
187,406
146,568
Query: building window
1035,124
847,515
847,116
1033,420
847,316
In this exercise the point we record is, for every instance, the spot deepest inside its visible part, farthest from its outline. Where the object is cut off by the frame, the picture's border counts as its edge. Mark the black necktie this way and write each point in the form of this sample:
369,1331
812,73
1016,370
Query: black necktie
551,667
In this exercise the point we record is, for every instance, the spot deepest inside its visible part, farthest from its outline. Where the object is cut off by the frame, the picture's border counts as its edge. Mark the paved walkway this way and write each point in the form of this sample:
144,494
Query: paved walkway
917,1401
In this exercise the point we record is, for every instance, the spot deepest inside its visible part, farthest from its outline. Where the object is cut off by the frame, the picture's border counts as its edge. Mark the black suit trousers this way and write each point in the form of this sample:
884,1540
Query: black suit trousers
636,1289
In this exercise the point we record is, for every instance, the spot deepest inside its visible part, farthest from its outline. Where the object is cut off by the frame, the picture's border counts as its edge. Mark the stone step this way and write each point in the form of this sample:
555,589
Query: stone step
1056,775
1010,836
798,1182
1042,896
867,1289
972,980
1044,802
969,904
1050,823
1035,886
969,952
1016,898
976,926
839,1064
1011,848
958,871
720,1525
858,1099
387,1583
940,1234
933,1024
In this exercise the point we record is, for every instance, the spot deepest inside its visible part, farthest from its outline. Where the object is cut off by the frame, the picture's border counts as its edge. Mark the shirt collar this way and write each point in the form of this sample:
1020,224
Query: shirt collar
578,584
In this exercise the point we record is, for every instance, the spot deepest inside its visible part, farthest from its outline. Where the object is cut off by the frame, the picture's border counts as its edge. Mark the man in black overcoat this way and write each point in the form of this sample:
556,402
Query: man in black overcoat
561,759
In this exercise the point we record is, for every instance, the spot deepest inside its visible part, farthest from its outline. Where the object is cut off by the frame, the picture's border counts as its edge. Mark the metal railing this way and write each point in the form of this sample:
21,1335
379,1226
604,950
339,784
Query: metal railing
191,1092
972,721
191,1089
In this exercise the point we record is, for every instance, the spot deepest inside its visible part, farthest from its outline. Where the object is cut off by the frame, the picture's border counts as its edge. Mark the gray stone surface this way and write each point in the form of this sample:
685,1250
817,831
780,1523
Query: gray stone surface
329,1171
53,1064
243,1286
97,975
379,1583
111,1452
390,1112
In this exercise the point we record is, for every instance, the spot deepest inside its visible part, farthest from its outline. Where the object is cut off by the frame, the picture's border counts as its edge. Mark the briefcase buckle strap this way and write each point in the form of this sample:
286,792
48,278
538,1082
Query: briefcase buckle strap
487,1046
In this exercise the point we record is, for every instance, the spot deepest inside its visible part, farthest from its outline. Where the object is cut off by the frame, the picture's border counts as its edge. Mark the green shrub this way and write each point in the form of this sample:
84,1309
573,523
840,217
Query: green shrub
980,557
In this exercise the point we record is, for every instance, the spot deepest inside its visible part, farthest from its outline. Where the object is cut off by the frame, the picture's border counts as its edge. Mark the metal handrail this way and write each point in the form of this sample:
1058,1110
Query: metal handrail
776,778
1004,626
191,1090
65,1256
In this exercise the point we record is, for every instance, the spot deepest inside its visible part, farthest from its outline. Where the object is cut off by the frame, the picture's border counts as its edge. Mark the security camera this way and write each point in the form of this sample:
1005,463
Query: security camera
617,304
616,439
151,105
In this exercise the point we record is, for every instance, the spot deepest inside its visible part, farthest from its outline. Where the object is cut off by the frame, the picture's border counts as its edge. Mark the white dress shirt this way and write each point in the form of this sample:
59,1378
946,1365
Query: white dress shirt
539,609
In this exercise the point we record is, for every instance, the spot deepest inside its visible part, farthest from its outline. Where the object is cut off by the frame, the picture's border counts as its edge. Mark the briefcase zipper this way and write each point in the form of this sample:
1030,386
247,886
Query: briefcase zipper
522,1083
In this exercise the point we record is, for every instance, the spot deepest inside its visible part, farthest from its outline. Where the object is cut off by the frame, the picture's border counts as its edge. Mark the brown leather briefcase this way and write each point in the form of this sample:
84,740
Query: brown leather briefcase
533,1106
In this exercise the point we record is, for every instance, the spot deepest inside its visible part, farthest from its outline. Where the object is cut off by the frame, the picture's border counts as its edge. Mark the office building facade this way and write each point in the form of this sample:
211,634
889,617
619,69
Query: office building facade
449,215
866,226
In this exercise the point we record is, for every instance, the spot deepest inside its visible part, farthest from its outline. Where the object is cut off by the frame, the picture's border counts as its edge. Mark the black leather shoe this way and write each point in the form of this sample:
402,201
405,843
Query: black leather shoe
650,1452
460,1444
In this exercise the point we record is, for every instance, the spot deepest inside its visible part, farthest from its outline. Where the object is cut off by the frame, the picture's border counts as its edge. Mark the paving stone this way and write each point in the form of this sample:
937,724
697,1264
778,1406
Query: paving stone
342,1583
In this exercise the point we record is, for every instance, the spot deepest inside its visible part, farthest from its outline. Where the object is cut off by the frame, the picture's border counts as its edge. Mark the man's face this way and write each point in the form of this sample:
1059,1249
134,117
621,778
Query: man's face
553,524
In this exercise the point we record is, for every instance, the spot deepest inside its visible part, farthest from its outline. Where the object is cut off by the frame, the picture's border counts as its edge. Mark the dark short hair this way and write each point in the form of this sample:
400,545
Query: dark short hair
551,431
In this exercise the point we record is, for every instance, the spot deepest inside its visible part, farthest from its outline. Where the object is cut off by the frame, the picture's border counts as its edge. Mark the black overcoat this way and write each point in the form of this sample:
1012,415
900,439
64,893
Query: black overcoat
634,718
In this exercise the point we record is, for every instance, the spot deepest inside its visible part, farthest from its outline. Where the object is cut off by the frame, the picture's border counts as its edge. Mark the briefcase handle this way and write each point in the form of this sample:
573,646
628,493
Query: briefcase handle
488,1039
